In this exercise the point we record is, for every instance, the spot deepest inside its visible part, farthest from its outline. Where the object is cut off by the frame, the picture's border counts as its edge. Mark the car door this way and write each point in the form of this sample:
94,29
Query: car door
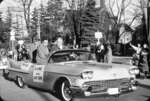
36,76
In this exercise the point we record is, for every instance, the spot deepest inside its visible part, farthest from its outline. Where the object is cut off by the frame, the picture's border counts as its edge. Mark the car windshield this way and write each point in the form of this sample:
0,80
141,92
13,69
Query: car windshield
72,55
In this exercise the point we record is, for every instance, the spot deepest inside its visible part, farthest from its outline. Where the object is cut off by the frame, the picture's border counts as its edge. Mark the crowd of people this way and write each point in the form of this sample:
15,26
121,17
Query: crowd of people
103,52
38,52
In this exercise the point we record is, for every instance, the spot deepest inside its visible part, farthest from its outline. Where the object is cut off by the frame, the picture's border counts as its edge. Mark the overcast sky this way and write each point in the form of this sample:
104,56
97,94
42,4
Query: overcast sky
12,3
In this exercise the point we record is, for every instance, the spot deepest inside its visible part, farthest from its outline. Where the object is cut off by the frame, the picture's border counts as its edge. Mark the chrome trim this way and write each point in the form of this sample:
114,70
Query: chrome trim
77,90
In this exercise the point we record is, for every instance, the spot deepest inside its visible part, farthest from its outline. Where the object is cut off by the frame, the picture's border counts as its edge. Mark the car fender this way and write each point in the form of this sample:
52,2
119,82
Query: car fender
53,78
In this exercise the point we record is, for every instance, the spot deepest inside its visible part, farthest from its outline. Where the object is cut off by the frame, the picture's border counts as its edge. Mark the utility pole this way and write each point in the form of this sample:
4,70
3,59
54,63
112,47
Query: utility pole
39,22
17,25
148,11
22,23
39,28
148,25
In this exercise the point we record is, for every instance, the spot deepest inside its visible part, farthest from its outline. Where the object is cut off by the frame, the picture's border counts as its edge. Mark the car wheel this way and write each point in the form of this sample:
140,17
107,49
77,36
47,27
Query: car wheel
20,82
65,91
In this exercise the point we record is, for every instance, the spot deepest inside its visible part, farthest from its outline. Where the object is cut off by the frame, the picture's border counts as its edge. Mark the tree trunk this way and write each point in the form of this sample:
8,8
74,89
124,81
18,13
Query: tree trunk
149,39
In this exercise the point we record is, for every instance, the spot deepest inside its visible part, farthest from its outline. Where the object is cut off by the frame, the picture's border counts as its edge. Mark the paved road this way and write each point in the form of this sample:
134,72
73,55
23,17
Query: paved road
10,92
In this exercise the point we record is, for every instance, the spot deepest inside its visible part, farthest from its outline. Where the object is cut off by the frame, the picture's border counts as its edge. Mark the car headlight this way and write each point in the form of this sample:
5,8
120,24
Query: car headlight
87,75
134,71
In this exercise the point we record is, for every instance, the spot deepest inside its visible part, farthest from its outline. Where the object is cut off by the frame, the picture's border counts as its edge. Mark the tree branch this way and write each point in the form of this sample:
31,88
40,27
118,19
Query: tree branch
129,2
133,19
111,8
118,12
69,3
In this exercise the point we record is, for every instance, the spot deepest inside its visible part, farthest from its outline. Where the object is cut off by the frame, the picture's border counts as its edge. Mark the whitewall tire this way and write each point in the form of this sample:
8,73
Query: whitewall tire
20,82
64,91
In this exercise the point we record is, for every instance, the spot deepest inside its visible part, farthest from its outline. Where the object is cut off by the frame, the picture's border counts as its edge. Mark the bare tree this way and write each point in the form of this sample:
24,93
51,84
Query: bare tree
117,9
75,7
26,5
141,14
76,4
122,9
138,11
126,12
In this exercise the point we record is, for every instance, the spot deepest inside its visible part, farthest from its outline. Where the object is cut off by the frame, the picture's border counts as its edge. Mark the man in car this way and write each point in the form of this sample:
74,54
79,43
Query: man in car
42,52
33,50
58,45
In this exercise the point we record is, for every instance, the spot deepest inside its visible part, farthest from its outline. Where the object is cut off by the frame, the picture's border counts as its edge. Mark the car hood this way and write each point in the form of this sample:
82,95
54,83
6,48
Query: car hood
101,70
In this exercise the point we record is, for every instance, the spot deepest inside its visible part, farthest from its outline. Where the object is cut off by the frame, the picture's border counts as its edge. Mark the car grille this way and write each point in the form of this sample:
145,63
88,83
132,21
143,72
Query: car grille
96,86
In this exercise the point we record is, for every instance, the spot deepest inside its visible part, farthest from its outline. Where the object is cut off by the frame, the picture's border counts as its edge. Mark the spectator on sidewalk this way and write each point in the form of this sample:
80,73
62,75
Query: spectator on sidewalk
100,52
144,62
42,52
108,56
137,55
138,49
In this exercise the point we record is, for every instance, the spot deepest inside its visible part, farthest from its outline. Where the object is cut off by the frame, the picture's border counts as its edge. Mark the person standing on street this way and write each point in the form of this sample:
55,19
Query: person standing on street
137,55
42,52
138,49
144,62
108,56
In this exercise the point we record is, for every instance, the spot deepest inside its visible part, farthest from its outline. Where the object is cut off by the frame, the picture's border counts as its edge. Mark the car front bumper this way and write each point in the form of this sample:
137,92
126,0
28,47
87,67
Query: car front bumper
107,92
91,91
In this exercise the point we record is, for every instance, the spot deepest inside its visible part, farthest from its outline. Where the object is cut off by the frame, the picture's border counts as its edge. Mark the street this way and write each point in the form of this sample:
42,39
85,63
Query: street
74,46
9,91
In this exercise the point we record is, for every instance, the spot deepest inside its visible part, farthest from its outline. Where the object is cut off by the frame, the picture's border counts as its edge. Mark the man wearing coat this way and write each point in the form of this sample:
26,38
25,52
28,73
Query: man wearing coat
42,52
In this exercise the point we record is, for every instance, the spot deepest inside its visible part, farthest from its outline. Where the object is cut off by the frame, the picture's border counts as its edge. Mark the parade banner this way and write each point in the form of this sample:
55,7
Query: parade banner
38,73
26,66
2,66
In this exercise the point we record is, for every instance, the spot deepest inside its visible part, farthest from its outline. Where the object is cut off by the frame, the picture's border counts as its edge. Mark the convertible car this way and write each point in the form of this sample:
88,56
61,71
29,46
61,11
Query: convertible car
70,73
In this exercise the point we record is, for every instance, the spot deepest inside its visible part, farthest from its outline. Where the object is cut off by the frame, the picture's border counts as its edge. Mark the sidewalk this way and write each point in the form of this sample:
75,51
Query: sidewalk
144,81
